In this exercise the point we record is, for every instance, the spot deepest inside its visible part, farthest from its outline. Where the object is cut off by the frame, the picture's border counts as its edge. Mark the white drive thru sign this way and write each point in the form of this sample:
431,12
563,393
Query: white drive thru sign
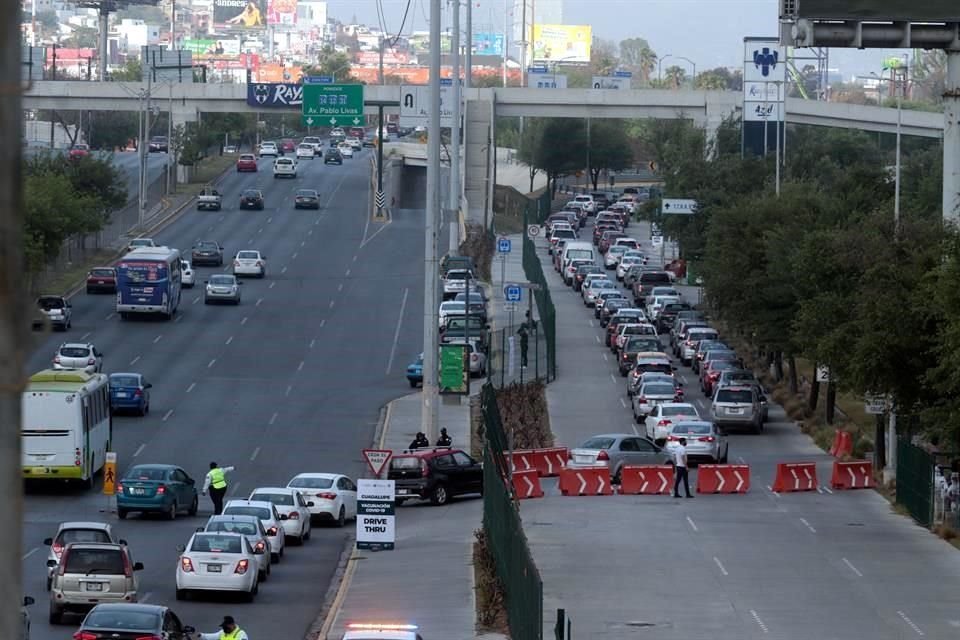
375,516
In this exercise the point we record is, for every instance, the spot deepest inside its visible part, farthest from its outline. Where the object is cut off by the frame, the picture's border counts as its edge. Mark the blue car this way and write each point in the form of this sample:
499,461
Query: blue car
156,488
415,372
129,392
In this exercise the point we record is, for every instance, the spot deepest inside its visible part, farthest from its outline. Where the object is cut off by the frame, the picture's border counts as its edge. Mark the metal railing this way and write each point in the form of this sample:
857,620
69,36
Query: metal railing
537,211
509,360
915,473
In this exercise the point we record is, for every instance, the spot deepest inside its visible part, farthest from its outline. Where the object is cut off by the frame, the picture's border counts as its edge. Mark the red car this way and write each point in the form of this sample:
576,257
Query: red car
78,151
246,162
288,145
102,279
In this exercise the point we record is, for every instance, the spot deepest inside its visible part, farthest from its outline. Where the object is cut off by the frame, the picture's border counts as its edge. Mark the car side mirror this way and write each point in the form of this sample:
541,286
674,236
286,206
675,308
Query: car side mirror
181,548
51,563
310,504
138,566
28,600
48,541
148,386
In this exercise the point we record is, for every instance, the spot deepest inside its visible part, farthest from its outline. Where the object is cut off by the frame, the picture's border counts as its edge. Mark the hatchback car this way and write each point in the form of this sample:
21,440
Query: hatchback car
79,151
332,156
252,529
252,199
269,149
332,497
156,488
102,280
222,287
207,252
435,475
70,532
704,440
132,621
737,407
306,199
218,562
271,518
284,168
129,392
616,450
250,262
661,419
306,151
55,310
90,573
188,277
76,355
291,503
246,162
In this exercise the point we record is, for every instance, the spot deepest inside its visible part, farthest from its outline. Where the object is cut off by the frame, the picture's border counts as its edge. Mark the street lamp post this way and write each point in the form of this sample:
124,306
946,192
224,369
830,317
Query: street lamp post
670,55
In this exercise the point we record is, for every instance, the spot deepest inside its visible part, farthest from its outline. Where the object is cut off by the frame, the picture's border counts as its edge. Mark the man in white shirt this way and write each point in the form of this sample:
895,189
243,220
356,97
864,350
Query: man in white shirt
680,468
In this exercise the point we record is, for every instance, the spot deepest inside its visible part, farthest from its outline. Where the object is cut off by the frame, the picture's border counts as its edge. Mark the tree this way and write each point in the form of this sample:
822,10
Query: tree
637,54
603,57
554,145
330,62
675,76
720,79
609,149
131,71
81,38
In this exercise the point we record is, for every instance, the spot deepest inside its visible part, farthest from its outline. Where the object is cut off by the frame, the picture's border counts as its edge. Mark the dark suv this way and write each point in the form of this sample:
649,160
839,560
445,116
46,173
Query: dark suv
207,252
332,156
436,474
647,281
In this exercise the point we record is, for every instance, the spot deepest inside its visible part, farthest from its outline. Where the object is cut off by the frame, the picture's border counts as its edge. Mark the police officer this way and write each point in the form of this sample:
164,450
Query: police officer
444,440
419,442
216,483
228,631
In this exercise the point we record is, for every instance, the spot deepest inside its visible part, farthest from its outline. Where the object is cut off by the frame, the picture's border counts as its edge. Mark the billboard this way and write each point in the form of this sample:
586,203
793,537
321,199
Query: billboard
211,47
488,44
282,12
874,10
248,14
561,42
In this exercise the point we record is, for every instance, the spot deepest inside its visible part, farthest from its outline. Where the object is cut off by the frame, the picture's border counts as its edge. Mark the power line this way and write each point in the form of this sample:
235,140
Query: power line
403,23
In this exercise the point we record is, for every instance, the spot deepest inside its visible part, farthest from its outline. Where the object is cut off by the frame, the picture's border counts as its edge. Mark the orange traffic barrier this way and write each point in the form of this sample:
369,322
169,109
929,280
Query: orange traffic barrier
547,462
585,481
852,475
646,480
526,484
723,478
795,476
842,444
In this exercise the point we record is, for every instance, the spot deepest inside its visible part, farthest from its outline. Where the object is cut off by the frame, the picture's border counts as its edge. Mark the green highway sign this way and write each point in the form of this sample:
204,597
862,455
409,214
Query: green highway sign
331,105
454,369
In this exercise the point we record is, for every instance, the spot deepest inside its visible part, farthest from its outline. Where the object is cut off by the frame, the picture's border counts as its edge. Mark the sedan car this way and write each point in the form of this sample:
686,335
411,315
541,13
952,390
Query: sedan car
246,162
69,532
306,151
219,562
616,450
649,395
130,392
252,199
250,262
252,529
207,252
269,149
661,419
590,293
289,502
187,276
345,150
156,488
132,621
76,355
332,496
137,243
306,199
102,280
704,440
271,518
415,372
79,151
222,287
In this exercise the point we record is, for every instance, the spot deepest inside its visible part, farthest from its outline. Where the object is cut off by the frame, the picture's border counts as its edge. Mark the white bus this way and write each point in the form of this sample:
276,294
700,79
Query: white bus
148,281
67,426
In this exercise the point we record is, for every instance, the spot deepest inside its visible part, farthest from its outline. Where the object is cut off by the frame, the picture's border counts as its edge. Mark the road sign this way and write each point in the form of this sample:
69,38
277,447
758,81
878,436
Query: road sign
513,293
381,200
533,231
503,245
317,80
656,241
875,405
510,307
376,522
415,105
110,474
681,206
332,104
377,459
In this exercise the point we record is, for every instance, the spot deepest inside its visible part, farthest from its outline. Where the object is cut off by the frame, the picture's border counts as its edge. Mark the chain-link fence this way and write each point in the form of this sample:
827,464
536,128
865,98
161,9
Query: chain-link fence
915,475
537,211
504,530
513,358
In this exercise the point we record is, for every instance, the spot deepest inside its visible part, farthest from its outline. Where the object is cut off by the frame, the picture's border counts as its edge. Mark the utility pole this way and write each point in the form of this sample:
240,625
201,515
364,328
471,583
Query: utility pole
430,416
173,25
104,20
506,39
951,138
468,49
13,322
381,128
454,237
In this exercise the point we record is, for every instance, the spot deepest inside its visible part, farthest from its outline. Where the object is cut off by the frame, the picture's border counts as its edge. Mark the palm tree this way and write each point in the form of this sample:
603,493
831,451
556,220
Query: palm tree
675,76
648,62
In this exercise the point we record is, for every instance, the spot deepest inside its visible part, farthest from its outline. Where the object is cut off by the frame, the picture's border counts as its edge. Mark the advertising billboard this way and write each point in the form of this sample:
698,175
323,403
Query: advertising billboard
876,10
488,44
282,12
561,42
248,14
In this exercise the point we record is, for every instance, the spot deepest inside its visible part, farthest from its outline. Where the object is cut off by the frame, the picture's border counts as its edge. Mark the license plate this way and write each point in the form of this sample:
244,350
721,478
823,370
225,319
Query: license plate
94,586
737,411
121,394
213,568
138,492
100,282
402,492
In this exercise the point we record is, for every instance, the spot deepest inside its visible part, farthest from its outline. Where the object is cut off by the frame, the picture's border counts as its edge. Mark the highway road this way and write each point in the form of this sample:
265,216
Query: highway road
126,162
290,381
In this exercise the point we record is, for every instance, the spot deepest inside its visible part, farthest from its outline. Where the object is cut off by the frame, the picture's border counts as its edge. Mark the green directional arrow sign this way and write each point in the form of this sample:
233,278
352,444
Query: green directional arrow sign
331,103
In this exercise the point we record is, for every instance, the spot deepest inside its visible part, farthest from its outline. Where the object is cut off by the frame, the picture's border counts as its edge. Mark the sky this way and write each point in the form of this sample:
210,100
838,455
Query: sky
709,32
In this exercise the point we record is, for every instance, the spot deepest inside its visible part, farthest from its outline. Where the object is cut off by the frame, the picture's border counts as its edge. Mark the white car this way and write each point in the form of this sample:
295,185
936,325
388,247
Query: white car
651,394
252,529
657,304
660,420
588,204
306,151
314,142
345,150
612,257
355,143
77,355
334,496
269,516
451,308
625,263
284,168
590,297
456,281
249,262
627,329
269,149
137,243
187,277
291,503
218,562
478,359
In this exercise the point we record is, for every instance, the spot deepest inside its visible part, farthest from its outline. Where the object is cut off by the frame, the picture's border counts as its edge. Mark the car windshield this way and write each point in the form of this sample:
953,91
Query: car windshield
155,474
222,280
247,158
598,443
245,510
107,273
275,498
232,526
453,307
405,463
678,411
312,483
119,619
208,246
248,255
121,380
216,544
251,193
457,275
82,535
51,303
100,561
692,429
307,193
657,389
642,344
141,243
723,365
738,396
74,352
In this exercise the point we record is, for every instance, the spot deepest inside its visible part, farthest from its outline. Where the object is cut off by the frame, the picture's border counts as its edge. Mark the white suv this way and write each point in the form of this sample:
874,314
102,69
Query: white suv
285,168
269,149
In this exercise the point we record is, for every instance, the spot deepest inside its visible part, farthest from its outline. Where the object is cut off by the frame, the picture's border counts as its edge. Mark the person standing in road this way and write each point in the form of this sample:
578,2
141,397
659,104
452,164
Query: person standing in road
228,631
680,468
216,483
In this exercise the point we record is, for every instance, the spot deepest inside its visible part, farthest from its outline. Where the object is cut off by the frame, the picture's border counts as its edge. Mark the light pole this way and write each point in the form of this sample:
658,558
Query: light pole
454,205
898,66
670,55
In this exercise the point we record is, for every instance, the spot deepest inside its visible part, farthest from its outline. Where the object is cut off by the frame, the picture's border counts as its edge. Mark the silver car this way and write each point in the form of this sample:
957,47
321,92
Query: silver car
738,407
76,355
90,573
649,396
705,441
250,528
616,450
590,295
81,531
222,287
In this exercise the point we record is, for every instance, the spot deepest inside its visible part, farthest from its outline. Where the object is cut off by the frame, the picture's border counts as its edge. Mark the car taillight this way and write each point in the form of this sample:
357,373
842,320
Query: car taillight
56,360
706,439
236,263
161,490
713,375
242,567
603,455
127,567
327,496
137,393
673,438
424,469
260,546
641,400
689,343
259,263
77,457
149,637
272,531
86,635
294,515
119,487
186,565
63,562
663,423
91,361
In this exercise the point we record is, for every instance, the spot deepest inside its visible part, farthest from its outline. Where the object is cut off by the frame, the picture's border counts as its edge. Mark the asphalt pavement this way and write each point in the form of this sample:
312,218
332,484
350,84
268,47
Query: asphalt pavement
837,565
289,381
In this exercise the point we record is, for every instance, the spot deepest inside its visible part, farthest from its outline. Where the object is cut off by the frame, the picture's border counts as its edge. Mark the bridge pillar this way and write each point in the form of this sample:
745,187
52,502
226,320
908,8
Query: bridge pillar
716,112
180,117
951,139
477,171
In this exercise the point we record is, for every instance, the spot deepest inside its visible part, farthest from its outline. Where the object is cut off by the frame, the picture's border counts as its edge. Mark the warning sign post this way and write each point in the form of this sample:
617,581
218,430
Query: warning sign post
110,474
377,459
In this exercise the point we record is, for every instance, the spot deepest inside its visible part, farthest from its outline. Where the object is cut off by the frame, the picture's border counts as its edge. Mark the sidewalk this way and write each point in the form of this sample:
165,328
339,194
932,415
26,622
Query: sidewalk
428,579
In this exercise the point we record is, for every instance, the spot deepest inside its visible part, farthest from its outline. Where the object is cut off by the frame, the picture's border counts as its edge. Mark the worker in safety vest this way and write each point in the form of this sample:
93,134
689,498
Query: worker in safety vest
228,631
216,483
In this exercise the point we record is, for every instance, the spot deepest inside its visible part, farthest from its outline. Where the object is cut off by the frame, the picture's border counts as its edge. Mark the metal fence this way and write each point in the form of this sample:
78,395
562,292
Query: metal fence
504,530
915,473
537,211
509,362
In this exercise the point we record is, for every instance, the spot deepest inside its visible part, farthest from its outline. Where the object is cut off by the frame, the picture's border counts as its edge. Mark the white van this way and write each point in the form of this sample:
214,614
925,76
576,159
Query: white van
575,251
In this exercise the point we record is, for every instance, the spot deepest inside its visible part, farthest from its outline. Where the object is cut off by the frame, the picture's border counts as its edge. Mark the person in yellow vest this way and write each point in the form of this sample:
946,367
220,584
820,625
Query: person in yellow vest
228,631
216,483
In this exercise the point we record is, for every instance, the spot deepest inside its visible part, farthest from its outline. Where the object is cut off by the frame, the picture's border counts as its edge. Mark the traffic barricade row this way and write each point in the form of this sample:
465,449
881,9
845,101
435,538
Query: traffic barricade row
547,462
646,480
795,476
723,478
586,481
842,444
526,484
857,474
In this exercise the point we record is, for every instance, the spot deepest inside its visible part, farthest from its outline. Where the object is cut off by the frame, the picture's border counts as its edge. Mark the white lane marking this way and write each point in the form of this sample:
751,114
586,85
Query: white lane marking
303,243
270,219
30,553
613,378
756,618
340,287
259,301
139,450
284,270
701,404
354,258
135,361
323,322
196,300
313,342
158,339
692,524
741,460
179,318
289,389
250,241
720,566
272,284
591,322
244,321
211,363
852,568
294,256
233,489
253,456
605,358
634,427
84,336
191,387
910,623
110,315
260,230
347,274
167,415
828,490
623,402
683,380
598,339
221,218
396,332
310,232
775,494
300,366
229,340
332,302
274,417
808,525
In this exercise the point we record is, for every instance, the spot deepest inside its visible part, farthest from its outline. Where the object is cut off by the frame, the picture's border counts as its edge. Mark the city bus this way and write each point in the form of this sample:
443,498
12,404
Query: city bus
148,281
67,426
